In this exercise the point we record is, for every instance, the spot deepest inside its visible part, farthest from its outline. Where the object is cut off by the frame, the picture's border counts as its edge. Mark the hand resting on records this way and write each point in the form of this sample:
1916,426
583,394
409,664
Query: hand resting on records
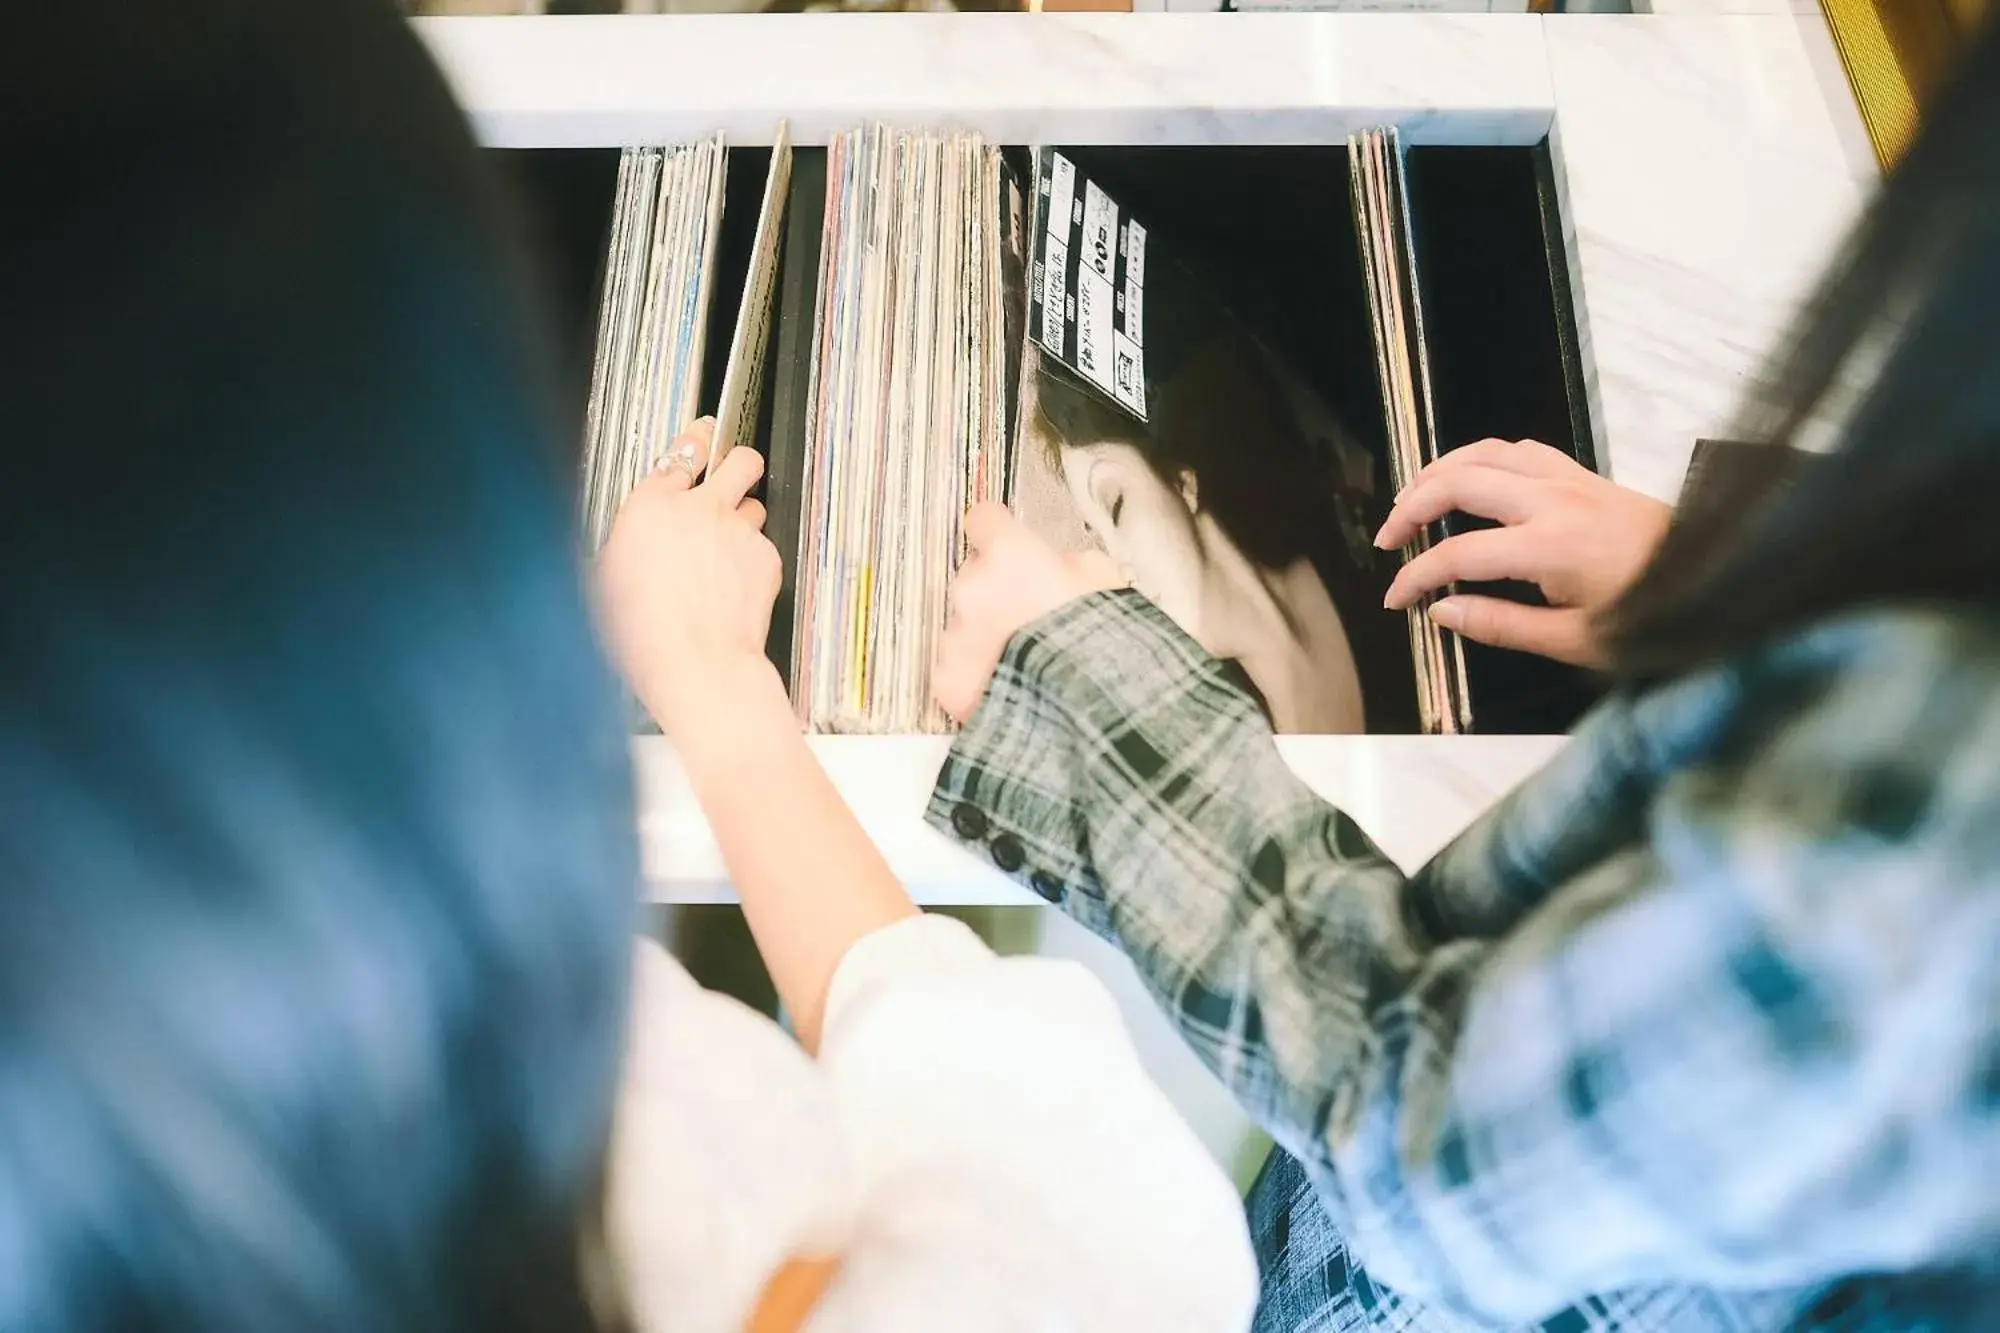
1011,578
1580,539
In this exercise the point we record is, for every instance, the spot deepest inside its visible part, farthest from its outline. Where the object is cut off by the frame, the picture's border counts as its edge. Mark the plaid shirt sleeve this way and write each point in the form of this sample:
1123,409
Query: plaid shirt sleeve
1710,1000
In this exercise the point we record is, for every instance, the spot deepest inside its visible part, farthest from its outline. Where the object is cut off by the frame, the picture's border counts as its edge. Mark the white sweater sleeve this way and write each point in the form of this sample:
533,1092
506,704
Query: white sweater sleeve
1019,1169
726,1157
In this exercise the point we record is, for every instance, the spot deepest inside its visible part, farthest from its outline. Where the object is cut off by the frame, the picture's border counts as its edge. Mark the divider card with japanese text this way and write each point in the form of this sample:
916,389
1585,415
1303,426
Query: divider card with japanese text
1088,292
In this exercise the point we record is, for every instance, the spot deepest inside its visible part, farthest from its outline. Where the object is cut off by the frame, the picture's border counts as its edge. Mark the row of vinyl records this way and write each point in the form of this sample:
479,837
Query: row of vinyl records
923,320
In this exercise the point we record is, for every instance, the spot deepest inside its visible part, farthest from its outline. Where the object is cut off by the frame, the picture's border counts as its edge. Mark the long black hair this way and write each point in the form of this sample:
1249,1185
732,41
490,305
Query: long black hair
1898,355
1223,417
317,867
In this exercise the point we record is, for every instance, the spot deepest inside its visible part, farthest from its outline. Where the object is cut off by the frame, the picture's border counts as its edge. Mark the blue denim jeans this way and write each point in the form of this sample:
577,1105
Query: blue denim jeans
1310,1284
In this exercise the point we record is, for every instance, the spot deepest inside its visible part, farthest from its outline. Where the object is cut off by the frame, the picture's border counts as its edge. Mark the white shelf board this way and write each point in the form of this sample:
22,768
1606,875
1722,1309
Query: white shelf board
1411,793
1017,78
1074,78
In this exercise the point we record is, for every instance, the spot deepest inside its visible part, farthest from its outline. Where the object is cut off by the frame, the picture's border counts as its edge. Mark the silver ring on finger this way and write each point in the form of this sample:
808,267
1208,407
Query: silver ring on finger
682,456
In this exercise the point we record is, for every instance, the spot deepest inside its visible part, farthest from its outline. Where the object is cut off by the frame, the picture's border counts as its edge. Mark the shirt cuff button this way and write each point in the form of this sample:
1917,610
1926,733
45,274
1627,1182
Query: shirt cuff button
1008,853
969,822
1047,885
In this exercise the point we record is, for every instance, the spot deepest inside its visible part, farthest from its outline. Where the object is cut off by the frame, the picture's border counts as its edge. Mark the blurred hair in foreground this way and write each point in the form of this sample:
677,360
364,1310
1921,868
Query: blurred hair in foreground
316,863
1908,314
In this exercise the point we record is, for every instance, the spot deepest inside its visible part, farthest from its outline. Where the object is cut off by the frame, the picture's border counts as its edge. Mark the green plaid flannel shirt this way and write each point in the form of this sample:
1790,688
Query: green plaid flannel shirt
1699,1028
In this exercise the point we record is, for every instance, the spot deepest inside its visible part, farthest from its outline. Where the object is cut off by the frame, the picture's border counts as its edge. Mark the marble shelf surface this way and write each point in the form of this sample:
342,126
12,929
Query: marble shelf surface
1018,78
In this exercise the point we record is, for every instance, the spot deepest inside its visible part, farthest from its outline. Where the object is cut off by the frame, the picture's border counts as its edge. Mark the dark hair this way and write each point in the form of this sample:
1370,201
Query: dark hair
1223,416
1903,511
315,821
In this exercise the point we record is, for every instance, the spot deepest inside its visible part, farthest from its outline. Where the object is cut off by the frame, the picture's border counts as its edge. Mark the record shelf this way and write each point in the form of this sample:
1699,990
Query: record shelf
1168,80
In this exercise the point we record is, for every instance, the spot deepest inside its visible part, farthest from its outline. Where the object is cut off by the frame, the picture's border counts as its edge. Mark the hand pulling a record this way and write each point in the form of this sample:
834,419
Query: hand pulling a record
676,635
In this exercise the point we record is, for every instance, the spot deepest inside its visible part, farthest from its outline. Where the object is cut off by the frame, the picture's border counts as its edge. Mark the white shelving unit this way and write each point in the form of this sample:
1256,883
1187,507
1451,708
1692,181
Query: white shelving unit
1645,279
1086,78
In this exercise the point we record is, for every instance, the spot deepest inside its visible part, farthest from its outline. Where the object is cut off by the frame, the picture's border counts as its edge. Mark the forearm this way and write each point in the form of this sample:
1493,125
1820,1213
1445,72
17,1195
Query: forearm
810,880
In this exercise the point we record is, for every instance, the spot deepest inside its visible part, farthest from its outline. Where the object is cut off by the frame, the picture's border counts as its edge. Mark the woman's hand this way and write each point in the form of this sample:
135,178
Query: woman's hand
1011,579
1578,537
688,579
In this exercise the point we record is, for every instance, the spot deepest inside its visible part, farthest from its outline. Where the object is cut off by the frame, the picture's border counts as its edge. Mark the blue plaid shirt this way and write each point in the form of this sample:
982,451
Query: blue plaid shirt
1697,1029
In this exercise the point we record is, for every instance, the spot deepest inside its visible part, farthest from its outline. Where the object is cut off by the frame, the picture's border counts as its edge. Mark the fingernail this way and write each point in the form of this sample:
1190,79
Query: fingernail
1381,545
1447,613
1392,600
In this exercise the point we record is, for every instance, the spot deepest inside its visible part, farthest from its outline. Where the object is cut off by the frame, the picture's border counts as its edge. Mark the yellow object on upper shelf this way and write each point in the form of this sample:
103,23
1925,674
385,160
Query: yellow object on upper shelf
1895,53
